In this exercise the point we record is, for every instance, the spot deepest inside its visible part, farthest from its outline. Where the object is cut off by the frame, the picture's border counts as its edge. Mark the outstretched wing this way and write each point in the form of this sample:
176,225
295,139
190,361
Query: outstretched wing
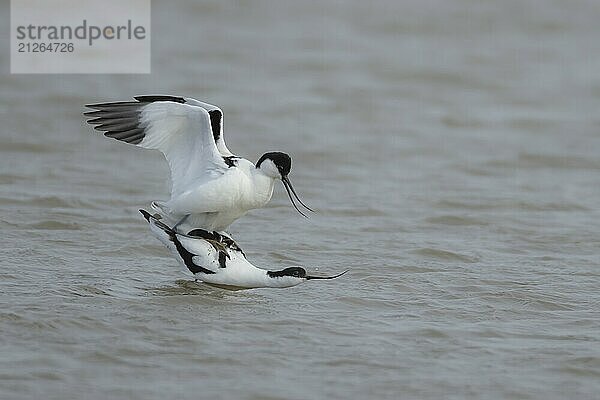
180,128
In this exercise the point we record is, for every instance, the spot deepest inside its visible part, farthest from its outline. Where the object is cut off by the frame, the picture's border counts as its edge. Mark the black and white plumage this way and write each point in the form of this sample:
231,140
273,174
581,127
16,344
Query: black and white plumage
210,186
215,259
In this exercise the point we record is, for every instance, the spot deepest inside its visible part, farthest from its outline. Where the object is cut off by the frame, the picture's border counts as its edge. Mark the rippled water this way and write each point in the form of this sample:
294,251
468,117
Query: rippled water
451,148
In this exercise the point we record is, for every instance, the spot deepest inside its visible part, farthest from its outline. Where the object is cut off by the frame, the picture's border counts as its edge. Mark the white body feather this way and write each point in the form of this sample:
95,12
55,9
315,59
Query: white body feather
217,203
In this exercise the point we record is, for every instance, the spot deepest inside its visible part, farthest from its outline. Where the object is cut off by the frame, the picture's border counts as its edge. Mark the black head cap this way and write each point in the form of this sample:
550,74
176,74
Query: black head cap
282,161
296,272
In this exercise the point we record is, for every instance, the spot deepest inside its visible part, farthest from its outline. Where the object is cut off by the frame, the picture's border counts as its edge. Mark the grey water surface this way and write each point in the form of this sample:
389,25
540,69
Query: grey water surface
451,148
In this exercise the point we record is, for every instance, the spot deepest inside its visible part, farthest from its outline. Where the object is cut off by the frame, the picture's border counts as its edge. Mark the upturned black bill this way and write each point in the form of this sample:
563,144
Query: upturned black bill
290,190
326,277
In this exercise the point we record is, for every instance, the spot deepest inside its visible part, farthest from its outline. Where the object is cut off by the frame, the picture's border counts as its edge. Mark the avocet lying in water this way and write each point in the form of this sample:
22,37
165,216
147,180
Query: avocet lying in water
217,260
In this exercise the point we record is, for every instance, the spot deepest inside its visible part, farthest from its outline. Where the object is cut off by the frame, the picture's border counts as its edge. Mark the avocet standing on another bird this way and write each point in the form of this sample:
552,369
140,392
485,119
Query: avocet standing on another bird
217,260
210,187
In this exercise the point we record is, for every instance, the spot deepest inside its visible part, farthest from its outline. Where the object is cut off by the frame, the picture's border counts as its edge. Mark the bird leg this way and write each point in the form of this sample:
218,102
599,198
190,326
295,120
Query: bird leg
218,246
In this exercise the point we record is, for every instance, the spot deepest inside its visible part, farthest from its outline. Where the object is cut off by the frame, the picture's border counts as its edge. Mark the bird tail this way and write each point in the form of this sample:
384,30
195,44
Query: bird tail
155,220
161,231
165,213
168,237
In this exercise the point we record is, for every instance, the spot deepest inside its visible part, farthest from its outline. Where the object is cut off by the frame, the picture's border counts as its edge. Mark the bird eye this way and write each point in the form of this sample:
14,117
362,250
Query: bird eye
295,273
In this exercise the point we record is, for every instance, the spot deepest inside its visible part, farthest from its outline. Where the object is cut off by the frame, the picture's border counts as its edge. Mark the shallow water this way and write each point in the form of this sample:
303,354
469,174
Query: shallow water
450,148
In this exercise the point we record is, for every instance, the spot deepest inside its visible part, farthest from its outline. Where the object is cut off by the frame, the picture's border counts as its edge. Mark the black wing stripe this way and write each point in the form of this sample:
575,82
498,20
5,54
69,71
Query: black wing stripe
215,123
187,256
222,259
159,97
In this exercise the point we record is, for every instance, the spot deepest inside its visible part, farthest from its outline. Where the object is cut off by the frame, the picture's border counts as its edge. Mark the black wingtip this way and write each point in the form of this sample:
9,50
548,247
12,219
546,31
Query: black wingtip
146,214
